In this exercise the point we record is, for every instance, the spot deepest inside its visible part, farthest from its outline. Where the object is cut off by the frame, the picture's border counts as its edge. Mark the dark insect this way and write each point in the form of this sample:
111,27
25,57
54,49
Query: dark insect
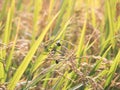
58,43
56,61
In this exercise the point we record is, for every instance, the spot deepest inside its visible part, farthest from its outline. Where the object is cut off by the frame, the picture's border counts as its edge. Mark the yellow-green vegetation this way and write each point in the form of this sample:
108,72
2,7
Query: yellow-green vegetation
60,44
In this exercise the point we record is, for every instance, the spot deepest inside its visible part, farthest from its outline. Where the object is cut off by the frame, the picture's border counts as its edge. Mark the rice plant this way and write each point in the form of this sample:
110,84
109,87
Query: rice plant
59,44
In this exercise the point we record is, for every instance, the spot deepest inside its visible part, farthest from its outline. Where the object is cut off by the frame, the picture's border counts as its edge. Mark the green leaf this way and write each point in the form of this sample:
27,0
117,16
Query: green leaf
112,70
27,59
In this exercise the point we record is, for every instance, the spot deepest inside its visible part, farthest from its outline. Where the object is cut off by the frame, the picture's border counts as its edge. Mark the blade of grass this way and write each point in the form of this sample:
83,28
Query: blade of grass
19,4
51,6
4,9
59,20
9,60
109,25
101,74
2,73
8,26
118,25
37,10
29,56
93,13
81,41
112,70
7,32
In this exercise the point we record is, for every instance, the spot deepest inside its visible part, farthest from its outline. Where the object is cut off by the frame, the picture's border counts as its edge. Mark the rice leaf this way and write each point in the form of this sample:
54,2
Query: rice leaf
29,56
112,70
